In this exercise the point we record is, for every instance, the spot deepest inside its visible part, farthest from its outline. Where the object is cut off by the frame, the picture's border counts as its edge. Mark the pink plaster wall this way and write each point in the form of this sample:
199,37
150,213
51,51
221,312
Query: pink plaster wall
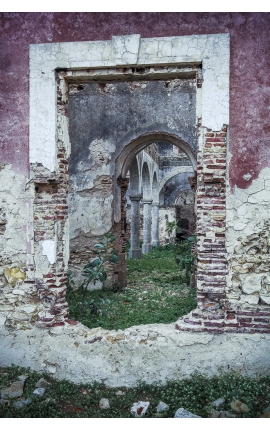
249,86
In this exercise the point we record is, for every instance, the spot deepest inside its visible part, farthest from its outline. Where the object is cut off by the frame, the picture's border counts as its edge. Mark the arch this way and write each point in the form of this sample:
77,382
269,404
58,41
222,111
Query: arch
146,188
173,172
129,152
126,156
188,190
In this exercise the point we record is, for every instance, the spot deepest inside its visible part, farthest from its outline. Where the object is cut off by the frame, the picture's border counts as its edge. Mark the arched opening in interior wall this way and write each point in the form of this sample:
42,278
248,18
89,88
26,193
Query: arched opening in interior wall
162,171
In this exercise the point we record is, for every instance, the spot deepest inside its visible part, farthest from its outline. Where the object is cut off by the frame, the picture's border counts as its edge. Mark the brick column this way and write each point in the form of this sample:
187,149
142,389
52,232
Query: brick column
50,217
211,227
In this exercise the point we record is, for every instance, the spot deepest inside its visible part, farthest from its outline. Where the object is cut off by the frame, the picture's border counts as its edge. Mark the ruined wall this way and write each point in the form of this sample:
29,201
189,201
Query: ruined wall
248,242
250,41
247,158
233,182
103,118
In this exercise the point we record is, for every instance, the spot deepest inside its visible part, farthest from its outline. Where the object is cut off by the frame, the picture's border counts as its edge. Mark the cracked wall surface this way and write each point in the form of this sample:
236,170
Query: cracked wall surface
150,353
248,244
246,284
19,302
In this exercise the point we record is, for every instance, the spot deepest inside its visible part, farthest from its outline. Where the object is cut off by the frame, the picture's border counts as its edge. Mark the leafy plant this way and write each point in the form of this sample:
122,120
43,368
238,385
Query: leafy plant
171,226
64,399
152,279
94,271
186,258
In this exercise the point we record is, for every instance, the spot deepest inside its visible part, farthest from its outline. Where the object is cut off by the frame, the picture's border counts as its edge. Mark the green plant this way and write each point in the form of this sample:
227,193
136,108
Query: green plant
64,399
186,258
152,279
94,271
171,226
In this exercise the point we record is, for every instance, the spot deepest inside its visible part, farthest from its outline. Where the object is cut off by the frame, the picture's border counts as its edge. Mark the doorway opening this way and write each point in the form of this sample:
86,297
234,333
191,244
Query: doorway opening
133,149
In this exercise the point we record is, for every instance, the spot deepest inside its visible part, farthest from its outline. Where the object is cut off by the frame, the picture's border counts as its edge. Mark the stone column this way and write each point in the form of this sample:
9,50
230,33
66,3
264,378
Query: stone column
147,247
135,251
155,224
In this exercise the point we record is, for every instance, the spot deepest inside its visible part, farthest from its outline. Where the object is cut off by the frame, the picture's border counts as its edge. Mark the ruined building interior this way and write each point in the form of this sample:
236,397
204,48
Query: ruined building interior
126,135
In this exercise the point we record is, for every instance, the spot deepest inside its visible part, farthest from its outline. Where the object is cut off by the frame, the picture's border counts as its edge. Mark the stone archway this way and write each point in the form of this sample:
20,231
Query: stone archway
127,167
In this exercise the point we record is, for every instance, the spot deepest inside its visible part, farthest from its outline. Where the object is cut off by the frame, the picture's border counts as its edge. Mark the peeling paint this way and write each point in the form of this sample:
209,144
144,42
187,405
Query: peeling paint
48,249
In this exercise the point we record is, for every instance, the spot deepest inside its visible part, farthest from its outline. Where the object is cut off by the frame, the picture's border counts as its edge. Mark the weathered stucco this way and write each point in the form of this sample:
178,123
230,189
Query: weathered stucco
248,244
210,50
250,40
150,353
33,218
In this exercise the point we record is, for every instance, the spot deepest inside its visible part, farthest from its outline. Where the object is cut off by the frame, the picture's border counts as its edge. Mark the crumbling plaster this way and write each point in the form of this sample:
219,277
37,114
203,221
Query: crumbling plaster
149,353
248,353
248,243
210,50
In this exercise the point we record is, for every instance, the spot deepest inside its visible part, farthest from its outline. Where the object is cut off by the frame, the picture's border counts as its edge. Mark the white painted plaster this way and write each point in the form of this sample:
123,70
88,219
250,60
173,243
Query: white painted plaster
48,249
247,210
210,50
16,199
126,49
248,241
123,357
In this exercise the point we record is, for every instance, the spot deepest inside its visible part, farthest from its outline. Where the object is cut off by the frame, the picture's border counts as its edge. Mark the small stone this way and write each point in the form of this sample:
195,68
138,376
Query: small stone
15,390
20,316
238,406
4,402
50,368
183,413
139,409
49,400
265,415
120,393
104,403
21,403
267,409
221,414
13,275
162,407
39,391
226,414
2,319
42,383
120,336
22,377
20,292
217,403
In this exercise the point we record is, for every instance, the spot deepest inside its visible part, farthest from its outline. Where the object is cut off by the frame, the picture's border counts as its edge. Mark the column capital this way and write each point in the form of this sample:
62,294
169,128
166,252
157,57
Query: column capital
155,203
147,201
135,198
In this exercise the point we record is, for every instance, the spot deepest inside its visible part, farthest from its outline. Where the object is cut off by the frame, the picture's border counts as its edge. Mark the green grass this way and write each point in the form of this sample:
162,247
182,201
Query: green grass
156,293
82,400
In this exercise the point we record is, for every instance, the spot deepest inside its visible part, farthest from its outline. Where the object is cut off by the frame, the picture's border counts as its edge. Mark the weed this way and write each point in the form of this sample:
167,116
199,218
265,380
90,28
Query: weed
80,301
195,394
151,280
